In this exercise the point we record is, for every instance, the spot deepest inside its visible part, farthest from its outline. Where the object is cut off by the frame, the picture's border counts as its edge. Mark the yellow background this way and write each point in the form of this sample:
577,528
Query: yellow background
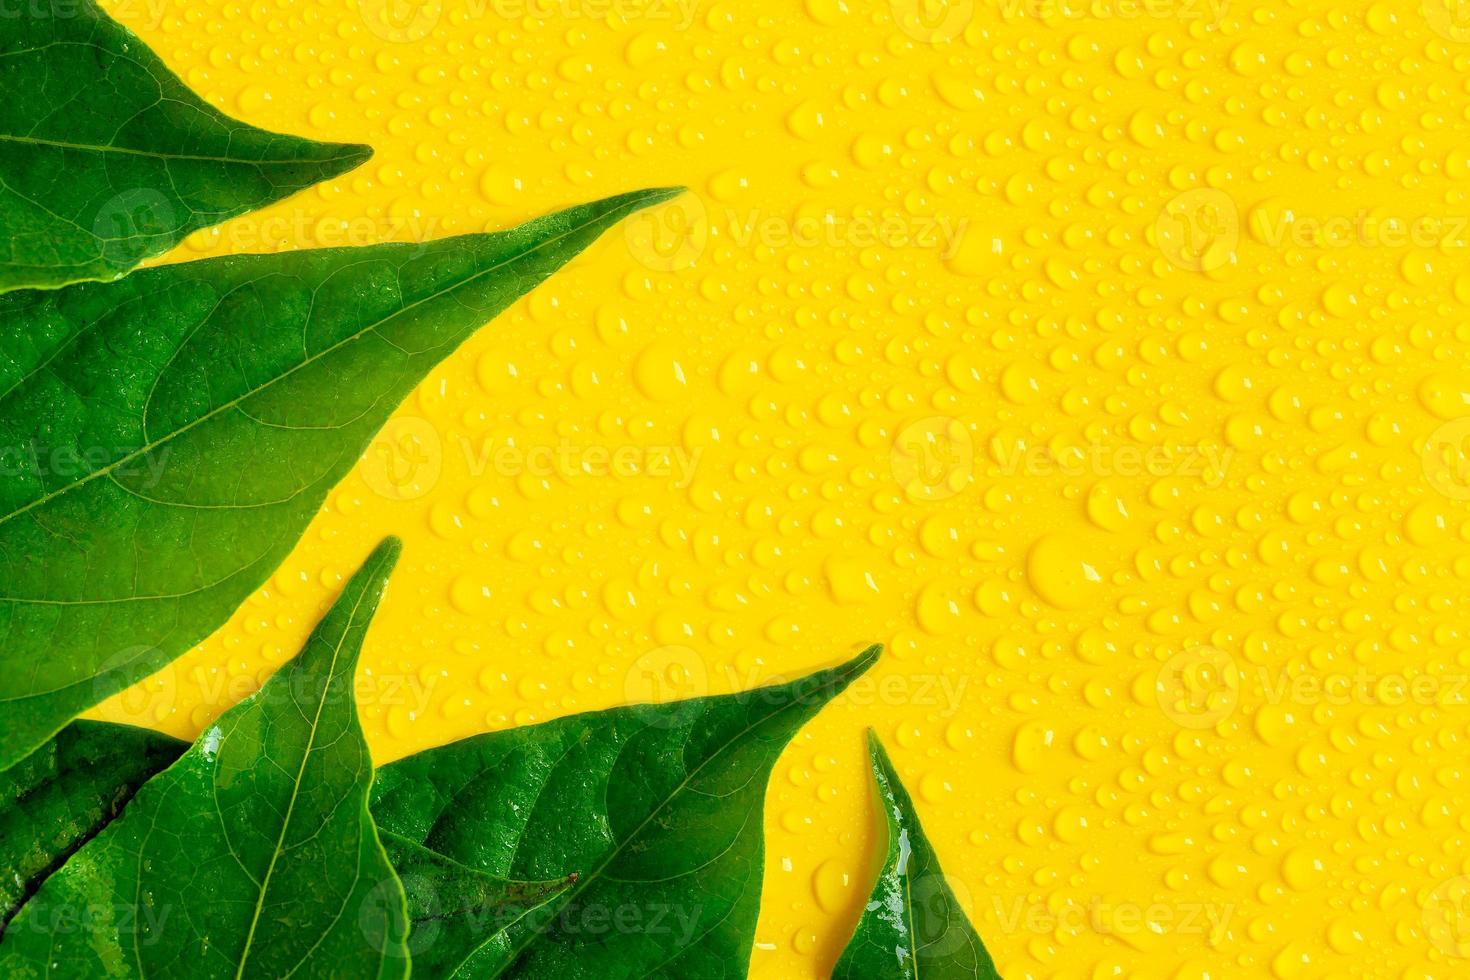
1108,362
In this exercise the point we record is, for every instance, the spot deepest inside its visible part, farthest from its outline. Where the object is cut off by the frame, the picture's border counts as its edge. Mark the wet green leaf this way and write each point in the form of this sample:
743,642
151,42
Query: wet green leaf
656,808
253,855
64,792
106,159
912,928
165,439
72,787
454,910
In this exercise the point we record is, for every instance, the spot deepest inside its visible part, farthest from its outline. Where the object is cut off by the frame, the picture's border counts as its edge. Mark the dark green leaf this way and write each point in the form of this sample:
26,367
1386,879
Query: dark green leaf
656,808
166,438
73,786
66,791
253,855
455,910
912,928
107,159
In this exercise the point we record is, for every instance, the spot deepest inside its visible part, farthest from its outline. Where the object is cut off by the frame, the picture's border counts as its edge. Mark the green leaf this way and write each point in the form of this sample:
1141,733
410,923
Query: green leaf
106,159
454,910
68,790
165,439
912,928
656,808
65,792
252,855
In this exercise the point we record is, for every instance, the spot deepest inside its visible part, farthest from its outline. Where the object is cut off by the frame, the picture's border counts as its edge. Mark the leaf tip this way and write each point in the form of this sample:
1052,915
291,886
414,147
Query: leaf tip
349,156
657,195
390,547
838,678
379,564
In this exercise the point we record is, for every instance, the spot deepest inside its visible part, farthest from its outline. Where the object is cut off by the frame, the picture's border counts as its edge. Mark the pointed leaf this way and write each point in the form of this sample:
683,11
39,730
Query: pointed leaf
68,790
912,927
106,159
253,855
656,808
166,438
65,792
454,910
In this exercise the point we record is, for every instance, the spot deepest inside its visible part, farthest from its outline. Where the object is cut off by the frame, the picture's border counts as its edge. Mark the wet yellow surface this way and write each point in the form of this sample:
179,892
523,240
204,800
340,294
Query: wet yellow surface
1108,362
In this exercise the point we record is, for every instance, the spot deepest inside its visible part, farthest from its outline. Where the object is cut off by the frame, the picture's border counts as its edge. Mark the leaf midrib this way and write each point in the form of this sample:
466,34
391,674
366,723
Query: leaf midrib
265,882
158,155
151,446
